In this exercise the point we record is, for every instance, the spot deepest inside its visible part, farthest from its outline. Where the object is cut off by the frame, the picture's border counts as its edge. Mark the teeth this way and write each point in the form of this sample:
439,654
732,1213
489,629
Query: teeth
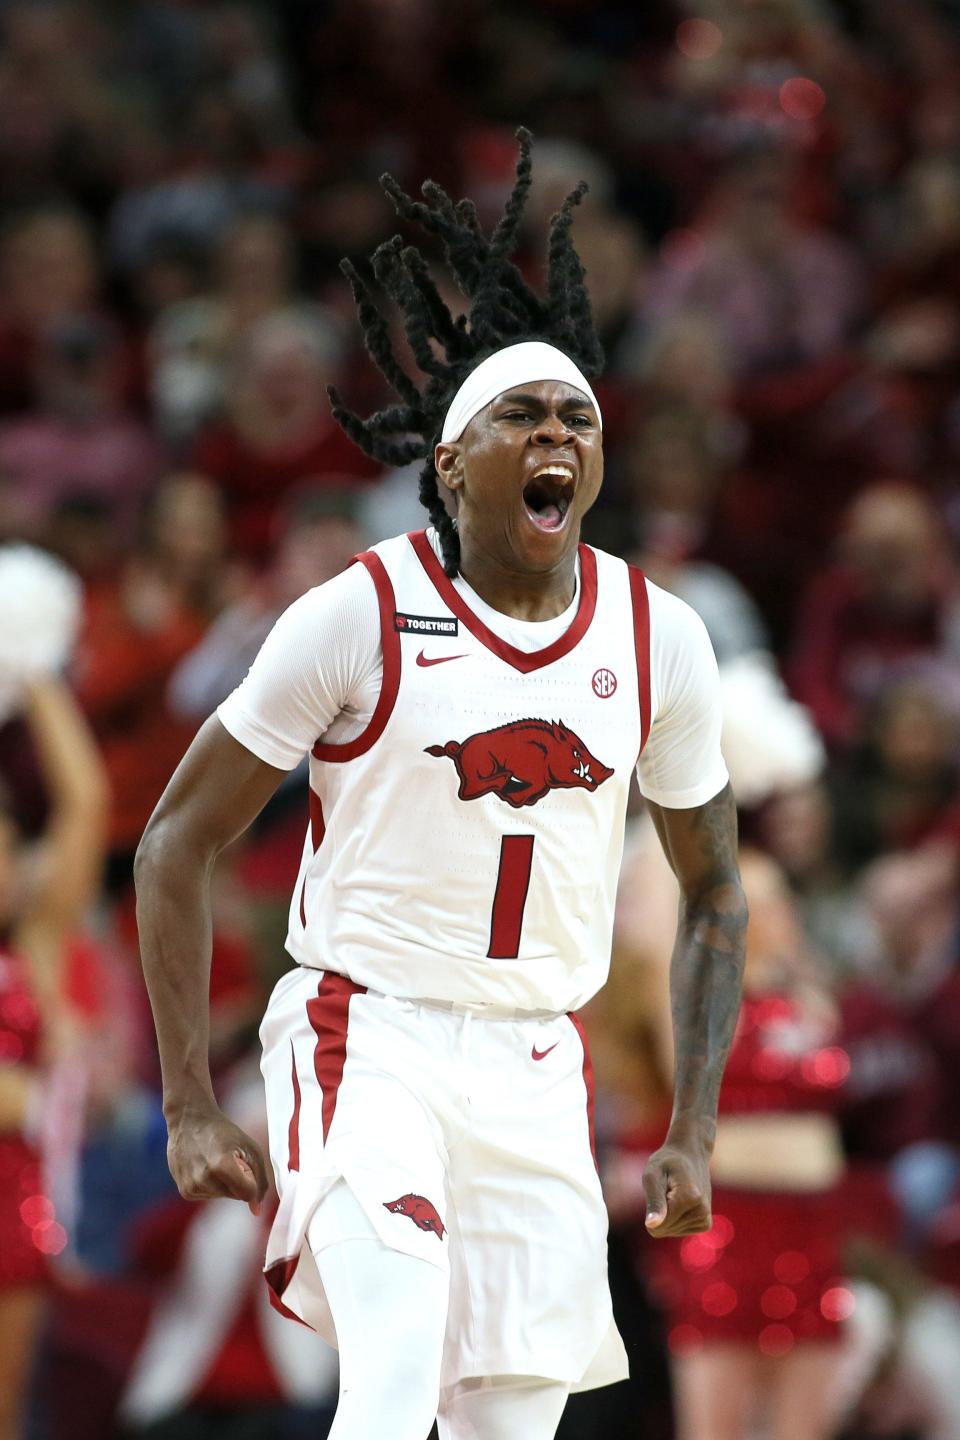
564,471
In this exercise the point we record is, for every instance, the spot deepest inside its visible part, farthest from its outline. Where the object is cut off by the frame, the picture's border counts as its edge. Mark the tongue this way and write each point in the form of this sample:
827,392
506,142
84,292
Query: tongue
549,517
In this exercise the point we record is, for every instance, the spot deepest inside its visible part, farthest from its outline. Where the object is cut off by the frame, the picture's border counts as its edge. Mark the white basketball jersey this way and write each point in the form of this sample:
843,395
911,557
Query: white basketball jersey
466,846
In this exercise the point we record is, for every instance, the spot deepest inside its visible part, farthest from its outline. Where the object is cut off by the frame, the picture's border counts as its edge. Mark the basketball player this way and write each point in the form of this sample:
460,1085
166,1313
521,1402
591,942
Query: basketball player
474,699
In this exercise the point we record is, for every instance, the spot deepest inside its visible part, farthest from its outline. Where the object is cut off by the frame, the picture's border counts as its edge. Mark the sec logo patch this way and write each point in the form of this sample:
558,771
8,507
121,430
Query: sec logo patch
604,683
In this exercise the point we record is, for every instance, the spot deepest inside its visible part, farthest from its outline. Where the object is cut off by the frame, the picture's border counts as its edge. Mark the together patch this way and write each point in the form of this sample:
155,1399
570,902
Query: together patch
426,624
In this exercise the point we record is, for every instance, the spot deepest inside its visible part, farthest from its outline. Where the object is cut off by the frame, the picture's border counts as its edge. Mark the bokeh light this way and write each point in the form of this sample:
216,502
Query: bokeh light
837,1303
829,1067
721,1231
36,1210
719,1299
683,1338
699,39
777,1302
776,1340
697,1252
49,1237
791,1266
801,99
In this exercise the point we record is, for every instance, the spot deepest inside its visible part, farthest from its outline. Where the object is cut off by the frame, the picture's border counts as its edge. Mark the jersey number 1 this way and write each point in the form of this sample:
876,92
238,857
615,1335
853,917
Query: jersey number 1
513,882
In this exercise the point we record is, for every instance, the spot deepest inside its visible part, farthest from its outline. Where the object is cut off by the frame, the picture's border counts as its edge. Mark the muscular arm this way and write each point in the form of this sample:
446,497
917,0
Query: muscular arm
705,980
216,792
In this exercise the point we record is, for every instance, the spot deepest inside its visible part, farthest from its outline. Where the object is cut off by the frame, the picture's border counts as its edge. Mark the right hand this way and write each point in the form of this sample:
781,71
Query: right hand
209,1156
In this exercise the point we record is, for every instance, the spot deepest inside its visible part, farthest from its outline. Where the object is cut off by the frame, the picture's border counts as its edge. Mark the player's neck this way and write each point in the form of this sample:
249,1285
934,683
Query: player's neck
542,595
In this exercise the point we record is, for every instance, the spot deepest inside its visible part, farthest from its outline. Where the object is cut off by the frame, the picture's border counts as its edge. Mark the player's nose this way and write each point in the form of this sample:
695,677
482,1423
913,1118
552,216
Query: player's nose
553,430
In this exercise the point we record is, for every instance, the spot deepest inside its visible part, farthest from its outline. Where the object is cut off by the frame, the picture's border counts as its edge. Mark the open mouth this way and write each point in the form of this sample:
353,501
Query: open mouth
547,495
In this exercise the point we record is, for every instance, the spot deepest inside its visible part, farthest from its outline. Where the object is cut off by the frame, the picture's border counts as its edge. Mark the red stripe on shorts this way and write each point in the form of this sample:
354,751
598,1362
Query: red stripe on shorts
293,1134
588,1082
328,1013
278,1277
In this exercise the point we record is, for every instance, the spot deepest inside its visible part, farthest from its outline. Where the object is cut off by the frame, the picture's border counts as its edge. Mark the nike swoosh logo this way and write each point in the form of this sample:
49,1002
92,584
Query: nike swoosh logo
437,659
539,1054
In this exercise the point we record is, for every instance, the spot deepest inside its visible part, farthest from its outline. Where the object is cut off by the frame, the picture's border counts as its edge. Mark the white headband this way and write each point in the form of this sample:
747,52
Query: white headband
515,365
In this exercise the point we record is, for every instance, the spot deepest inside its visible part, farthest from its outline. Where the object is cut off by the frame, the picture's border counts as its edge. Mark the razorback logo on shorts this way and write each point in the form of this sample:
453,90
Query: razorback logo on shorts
420,1211
522,761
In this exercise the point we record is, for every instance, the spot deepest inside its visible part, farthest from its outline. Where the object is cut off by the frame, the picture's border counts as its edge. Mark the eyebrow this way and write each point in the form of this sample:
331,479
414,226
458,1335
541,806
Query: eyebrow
572,402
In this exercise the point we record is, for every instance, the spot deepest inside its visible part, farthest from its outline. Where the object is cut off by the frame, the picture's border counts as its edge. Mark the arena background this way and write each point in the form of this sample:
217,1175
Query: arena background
772,239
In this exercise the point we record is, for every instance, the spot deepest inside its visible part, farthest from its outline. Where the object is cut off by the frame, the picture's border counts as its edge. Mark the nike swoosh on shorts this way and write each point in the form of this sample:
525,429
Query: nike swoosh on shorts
539,1054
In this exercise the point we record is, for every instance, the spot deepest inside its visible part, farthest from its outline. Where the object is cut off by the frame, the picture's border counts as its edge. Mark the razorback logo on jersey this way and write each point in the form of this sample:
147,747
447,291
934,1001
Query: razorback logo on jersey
420,1211
522,761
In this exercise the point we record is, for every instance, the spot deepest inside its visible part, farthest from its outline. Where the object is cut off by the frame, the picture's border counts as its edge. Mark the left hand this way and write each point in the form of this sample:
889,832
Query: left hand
677,1186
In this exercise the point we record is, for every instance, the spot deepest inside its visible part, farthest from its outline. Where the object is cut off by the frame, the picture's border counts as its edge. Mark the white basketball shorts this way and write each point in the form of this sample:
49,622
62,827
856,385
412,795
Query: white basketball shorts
467,1140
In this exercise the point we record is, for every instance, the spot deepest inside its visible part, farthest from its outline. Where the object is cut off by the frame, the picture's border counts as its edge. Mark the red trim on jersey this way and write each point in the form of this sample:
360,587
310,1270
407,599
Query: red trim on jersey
318,829
588,1082
519,659
510,896
390,684
641,641
293,1133
328,1013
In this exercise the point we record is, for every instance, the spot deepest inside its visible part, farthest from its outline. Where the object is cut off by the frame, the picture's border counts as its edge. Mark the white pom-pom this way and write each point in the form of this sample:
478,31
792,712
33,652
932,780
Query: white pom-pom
769,742
39,615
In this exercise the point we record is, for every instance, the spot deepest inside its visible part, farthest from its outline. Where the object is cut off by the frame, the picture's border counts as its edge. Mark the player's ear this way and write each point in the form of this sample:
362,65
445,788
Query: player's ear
448,460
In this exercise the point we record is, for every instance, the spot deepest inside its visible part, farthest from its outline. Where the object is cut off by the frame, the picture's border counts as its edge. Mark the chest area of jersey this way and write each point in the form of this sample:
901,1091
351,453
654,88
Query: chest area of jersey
476,727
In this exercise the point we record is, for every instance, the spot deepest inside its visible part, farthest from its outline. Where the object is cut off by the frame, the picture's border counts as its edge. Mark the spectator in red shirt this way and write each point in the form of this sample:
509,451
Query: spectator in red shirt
278,430
915,903
319,535
891,792
136,630
892,597
784,294
80,436
49,269
195,341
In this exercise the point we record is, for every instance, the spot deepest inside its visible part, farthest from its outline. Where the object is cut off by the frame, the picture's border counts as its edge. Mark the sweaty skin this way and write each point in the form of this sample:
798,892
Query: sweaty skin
706,975
517,568
219,788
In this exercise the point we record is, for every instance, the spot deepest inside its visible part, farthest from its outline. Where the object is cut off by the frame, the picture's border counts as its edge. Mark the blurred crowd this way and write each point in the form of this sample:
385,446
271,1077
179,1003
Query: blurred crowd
772,240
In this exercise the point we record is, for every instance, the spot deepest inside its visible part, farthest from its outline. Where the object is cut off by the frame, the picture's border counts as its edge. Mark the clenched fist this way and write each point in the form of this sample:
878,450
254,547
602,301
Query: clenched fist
209,1156
677,1185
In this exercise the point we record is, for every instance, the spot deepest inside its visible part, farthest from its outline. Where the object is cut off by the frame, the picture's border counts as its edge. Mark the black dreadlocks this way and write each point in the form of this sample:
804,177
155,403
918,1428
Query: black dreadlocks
503,311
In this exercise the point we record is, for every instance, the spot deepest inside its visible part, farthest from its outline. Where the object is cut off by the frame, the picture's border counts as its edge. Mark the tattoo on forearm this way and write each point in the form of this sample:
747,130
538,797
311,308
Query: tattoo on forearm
707,965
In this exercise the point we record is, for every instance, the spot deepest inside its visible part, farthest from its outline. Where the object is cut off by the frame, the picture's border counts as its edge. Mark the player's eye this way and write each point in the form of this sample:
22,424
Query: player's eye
517,415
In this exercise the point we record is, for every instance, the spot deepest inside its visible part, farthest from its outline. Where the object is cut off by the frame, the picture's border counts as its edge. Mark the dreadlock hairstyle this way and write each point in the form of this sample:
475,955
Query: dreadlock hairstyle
504,310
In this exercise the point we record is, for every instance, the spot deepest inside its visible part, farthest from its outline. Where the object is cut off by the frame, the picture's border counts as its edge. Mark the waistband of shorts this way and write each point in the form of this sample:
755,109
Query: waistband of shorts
477,1009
